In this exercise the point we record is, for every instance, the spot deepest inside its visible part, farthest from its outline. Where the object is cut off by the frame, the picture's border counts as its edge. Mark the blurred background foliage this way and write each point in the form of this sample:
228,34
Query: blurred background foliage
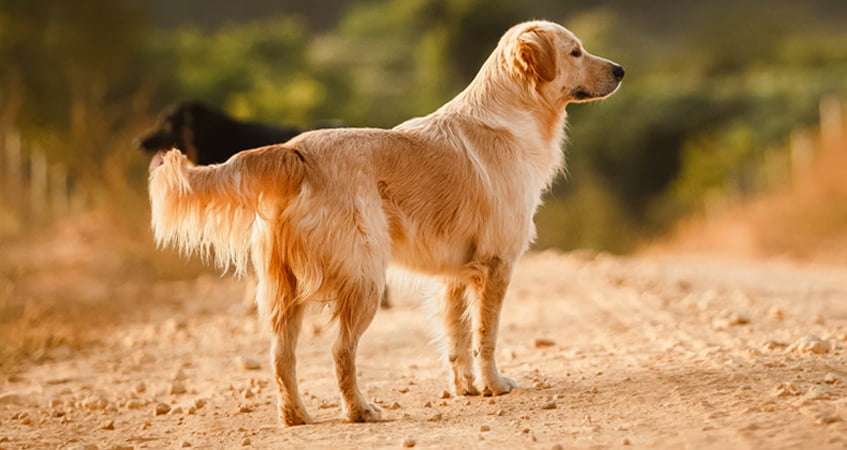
713,91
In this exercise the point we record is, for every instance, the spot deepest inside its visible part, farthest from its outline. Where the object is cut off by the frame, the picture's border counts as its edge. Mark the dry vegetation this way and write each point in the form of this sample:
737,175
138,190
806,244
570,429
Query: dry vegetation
69,285
803,218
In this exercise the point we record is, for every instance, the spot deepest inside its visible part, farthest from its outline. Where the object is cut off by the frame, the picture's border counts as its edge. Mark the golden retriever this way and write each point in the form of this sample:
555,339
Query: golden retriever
451,194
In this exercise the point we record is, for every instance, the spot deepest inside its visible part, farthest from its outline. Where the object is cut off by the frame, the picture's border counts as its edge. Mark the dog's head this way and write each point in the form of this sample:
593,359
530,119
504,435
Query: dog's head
551,60
177,127
168,131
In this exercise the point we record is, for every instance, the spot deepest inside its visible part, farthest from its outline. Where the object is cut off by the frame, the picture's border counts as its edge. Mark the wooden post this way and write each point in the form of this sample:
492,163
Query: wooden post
13,164
802,148
58,190
38,184
832,122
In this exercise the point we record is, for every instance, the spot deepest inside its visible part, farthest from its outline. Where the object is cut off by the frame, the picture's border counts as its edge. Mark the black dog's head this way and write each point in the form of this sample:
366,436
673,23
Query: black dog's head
176,128
209,136
168,131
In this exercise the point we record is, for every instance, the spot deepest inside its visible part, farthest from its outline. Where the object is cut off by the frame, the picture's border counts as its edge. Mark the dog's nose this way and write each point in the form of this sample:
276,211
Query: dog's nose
618,72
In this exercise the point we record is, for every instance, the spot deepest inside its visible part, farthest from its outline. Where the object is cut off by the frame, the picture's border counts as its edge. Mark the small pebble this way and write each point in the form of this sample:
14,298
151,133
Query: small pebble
134,404
549,405
811,344
730,320
162,408
245,442
777,313
248,363
484,428
543,342
177,388
108,425
774,345
445,394
186,444
409,443
785,390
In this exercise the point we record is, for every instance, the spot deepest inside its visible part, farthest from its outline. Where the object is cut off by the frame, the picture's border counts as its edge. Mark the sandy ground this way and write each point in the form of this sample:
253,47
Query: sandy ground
658,352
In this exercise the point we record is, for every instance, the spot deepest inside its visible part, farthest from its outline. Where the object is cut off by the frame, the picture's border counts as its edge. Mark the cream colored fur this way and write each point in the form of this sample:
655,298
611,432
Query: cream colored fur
451,194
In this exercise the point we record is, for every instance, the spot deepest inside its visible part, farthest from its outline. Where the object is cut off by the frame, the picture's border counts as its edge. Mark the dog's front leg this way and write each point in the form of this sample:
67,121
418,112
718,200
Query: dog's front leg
491,289
457,339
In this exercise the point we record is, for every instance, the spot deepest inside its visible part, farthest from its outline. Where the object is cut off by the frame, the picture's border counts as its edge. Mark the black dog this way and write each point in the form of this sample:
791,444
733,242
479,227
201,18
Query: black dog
209,136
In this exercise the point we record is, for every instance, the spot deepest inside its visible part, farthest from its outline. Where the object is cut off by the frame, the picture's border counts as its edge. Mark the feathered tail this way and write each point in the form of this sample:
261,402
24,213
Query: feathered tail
210,210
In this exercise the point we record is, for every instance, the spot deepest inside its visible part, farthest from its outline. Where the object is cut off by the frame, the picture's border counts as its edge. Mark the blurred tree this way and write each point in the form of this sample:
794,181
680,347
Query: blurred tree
708,91
75,65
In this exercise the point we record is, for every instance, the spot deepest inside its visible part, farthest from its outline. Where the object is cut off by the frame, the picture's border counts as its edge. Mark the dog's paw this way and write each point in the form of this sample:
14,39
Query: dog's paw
499,386
468,390
365,413
294,416
464,387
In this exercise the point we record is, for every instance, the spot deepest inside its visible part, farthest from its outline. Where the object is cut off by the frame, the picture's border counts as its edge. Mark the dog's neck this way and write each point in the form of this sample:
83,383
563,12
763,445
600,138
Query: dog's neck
498,102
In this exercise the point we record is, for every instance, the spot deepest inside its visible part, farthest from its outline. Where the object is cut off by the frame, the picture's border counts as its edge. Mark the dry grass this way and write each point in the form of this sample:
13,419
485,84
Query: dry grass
62,286
806,218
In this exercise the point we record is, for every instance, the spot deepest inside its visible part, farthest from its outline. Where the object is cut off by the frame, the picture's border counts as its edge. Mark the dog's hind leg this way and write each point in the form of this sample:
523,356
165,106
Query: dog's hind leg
276,299
457,338
283,345
357,306
494,275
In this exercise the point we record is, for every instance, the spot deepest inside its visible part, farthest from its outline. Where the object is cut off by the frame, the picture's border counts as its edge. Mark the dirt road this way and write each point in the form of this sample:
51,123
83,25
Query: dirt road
661,352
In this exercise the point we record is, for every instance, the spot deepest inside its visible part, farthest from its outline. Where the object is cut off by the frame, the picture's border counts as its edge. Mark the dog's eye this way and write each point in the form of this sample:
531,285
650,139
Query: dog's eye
576,53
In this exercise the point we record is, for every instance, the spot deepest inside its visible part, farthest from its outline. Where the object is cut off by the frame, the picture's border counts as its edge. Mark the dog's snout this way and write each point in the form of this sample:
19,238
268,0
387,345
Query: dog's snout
618,72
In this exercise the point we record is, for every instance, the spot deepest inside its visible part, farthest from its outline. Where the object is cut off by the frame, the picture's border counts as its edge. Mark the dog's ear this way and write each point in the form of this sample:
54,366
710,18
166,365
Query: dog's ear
535,55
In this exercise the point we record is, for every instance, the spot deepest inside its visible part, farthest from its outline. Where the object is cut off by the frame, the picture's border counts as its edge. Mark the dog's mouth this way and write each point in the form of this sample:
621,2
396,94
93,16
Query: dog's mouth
581,94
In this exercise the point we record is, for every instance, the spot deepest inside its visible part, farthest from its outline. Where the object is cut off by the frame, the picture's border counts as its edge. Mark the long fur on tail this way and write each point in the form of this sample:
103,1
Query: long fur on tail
211,210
